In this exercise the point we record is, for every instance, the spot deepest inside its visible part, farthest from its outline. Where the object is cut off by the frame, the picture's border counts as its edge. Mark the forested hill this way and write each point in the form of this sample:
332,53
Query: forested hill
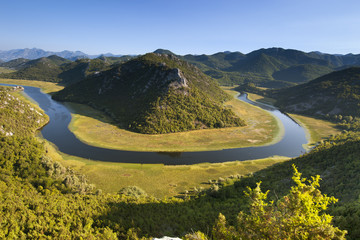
271,67
155,93
58,69
337,93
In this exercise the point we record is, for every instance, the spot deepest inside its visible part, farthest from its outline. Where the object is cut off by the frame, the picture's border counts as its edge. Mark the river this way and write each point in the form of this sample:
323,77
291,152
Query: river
57,132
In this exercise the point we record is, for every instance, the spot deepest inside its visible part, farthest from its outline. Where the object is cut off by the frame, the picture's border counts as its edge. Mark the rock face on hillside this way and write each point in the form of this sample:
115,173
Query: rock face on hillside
153,94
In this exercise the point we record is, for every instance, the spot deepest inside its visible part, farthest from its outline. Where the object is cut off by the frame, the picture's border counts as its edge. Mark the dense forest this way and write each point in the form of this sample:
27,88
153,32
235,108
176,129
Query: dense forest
42,199
155,94
333,94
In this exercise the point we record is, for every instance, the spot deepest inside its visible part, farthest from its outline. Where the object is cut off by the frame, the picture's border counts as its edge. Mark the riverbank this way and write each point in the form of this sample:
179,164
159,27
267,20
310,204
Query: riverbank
96,129
158,180
46,87
316,129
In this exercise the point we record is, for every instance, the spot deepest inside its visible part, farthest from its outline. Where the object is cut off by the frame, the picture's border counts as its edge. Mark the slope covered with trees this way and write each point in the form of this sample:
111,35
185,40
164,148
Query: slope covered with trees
155,94
337,93
272,67
58,69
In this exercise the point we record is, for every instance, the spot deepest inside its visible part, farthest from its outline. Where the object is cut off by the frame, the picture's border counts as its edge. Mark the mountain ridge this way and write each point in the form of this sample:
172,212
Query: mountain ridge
35,53
271,67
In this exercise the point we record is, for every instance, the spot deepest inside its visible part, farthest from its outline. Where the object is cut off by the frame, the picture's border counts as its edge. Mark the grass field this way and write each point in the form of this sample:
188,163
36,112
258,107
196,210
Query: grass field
262,99
92,127
317,129
46,87
156,179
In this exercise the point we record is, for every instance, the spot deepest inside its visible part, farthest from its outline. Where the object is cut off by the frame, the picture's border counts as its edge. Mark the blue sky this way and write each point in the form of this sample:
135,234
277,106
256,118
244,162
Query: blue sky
183,26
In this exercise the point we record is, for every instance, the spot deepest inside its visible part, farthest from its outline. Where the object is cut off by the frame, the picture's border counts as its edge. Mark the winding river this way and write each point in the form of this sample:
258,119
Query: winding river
57,132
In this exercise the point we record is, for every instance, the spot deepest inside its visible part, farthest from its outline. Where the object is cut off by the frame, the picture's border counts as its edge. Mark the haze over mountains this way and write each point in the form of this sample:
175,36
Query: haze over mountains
35,53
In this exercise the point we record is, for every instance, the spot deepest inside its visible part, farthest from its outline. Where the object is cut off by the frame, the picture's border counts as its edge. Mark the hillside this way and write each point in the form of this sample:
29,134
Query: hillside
272,67
155,94
46,69
335,93
301,73
42,199
15,64
58,69
17,117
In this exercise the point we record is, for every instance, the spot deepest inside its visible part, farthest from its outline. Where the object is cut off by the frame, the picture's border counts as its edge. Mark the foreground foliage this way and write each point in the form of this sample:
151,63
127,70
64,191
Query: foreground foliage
298,215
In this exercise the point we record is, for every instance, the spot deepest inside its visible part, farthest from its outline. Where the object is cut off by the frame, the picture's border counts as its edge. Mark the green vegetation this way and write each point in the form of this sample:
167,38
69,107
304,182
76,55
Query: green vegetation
273,67
17,117
298,215
42,199
15,64
155,94
57,69
332,94
6,70
46,87
95,128
301,73
318,129
45,69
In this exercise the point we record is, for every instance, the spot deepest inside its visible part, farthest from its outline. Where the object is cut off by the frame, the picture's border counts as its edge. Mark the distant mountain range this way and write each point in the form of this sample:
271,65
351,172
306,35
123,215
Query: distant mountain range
272,67
58,69
35,53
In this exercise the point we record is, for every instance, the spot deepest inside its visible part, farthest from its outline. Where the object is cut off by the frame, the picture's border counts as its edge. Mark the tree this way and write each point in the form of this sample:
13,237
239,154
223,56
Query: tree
298,215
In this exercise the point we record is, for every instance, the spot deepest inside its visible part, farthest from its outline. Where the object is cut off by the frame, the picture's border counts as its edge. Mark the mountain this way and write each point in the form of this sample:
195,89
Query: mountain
35,53
301,73
15,64
335,93
155,93
58,69
163,51
46,68
272,67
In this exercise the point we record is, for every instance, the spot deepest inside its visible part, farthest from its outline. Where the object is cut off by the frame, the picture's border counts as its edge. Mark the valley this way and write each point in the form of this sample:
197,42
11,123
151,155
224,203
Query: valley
203,167
170,180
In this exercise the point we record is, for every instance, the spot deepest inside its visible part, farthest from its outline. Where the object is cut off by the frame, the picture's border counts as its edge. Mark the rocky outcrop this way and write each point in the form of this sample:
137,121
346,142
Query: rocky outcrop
177,79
